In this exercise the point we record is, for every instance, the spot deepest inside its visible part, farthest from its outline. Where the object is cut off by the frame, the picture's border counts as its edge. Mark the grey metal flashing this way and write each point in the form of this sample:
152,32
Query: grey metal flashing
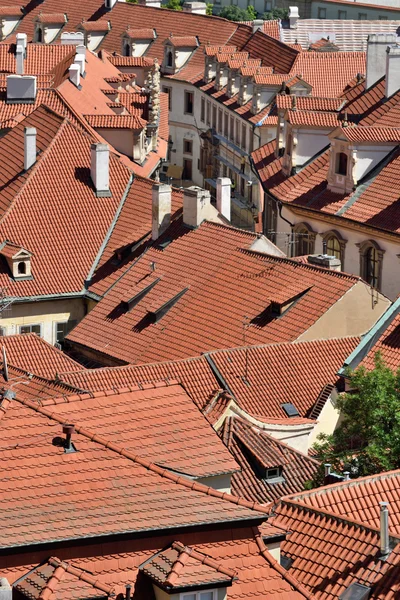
39,297
218,374
109,232
370,338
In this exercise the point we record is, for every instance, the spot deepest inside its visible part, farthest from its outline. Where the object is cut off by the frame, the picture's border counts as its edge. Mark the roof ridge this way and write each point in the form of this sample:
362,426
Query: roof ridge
162,472
267,345
48,590
275,565
202,558
80,574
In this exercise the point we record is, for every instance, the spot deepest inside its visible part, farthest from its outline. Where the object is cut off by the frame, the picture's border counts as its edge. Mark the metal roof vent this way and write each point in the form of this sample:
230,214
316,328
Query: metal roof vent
290,409
356,591
68,445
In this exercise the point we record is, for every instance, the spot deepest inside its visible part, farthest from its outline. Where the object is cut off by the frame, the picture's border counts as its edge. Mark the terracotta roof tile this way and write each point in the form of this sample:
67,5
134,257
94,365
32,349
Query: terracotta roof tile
313,119
371,134
11,11
52,18
310,103
184,41
116,122
100,25
189,328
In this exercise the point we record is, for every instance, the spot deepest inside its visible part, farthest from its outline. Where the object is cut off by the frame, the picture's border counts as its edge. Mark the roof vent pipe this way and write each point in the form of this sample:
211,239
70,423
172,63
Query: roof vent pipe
385,548
68,430
29,147
128,591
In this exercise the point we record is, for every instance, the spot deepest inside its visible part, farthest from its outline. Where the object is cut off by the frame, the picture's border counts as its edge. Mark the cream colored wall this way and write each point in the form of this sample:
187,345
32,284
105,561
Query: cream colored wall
327,420
222,483
46,314
354,314
274,548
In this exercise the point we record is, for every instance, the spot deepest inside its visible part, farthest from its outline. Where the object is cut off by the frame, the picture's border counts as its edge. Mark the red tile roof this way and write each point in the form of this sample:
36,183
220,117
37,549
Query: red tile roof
40,59
100,25
32,353
130,61
310,103
180,566
141,34
10,11
184,41
256,451
387,343
371,134
48,495
116,122
326,120
193,326
135,418
262,378
52,18
272,53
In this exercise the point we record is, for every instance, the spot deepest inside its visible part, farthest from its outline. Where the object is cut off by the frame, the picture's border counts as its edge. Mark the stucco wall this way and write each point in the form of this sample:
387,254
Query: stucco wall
353,10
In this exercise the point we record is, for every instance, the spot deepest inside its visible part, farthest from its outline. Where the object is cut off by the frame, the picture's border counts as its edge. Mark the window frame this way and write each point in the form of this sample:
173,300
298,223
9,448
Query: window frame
30,325
333,233
321,11
190,142
341,13
168,90
364,248
203,109
186,95
197,594
303,229
339,170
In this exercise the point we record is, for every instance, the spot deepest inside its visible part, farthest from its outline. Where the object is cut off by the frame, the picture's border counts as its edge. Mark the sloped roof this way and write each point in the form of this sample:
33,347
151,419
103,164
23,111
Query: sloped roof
102,489
136,418
116,122
40,58
254,450
32,353
306,118
192,325
262,378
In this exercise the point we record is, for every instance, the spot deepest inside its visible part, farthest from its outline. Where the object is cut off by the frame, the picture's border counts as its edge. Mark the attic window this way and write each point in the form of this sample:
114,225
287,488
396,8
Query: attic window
341,163
170,58
290,409
206,595
286,562
21,268
356,591
274,475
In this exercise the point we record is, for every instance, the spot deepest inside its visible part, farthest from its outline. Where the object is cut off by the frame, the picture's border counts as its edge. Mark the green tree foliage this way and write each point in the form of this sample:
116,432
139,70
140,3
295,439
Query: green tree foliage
234,13
173,5
251,11
209,8
276,13
367,440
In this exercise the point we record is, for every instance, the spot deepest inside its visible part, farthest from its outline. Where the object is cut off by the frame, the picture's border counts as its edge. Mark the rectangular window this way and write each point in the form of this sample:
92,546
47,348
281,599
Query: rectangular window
203,110
322,13
3,331
214,117
238,132
342,14
226,125
61,331
362,16
267,5
220,118
209,595
187,169
168,90
31,329
187,147
208,113
244,136
383,18
232,129
188,103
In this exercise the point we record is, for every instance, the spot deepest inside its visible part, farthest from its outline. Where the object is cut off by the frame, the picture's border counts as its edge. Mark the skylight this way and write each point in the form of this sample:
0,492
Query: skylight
290,409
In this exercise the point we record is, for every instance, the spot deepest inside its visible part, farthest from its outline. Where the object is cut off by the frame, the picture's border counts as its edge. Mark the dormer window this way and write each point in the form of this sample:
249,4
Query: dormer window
136,42
170,58
21,268
208,595
274,474
18,260
48,26
341,163
177,51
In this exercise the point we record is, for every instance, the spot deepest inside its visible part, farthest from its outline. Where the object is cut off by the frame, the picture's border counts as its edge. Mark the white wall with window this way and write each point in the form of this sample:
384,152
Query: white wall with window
356,10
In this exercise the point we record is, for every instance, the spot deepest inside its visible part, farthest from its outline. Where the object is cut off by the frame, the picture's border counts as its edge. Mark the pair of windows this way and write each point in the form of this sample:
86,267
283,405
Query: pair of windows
61,330
209,595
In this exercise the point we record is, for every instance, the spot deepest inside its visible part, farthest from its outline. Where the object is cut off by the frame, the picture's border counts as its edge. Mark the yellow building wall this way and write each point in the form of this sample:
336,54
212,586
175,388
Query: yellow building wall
44,313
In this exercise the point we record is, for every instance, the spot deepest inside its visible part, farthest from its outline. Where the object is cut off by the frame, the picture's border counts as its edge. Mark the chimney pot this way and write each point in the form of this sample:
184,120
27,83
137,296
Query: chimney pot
384,518
68,429
128,591
29,147
224,197
99,169
161,209
327,469
346,475
22,39
75,74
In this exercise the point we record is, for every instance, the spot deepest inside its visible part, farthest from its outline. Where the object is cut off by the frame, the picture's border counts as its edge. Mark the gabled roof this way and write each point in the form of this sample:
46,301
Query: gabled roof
180,566
116,122
192,325
100,25
40,59
177,438
370,134
256,451
33,354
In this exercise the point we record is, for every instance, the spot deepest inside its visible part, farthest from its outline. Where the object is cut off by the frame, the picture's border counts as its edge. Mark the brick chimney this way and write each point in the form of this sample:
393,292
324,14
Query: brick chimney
29,147
224,197
392,70
196,206
376,55
99,169
161,209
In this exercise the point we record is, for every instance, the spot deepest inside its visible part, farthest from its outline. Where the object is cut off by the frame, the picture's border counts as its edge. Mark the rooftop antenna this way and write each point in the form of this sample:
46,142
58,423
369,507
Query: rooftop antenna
5,364
153,265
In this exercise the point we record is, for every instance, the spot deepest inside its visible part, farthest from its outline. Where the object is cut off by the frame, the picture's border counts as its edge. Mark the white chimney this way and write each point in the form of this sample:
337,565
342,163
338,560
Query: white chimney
22,40
80,60
376,55
20,59
195,8
21,89
196,206
99,169
385,542
29,147
72,38
293,16
109,4
258,24
326,261
81,49
5,589
224,197
392,70
75,74
161,209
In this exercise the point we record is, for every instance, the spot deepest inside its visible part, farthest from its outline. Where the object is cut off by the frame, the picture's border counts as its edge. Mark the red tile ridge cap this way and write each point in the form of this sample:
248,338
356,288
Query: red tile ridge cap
185,553
29,375
52,583
162,472
270,345
80,574
286,500
275,565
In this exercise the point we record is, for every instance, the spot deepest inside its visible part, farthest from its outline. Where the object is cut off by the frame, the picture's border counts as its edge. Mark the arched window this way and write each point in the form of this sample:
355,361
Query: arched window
333,246
21,268
127,49
341,163
39,35
170,62
371,257
304,240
